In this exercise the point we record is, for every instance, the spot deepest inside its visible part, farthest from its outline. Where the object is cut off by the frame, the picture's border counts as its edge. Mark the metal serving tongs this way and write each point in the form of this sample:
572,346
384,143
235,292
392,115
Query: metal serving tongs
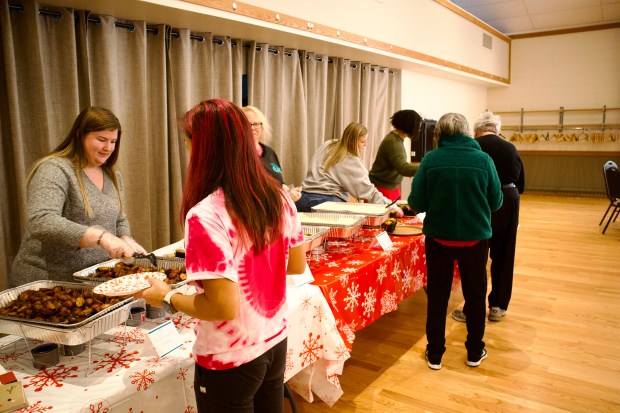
151,257
391,203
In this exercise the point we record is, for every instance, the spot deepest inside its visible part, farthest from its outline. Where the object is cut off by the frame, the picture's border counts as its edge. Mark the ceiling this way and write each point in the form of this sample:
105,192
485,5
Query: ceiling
531,16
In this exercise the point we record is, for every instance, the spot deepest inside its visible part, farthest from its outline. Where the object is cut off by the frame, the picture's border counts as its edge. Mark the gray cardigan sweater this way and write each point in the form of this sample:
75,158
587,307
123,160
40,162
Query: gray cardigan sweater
349,176
57,220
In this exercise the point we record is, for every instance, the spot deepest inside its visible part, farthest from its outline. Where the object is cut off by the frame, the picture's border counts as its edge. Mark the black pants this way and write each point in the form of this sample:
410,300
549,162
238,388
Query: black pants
440,261
502,248
254,387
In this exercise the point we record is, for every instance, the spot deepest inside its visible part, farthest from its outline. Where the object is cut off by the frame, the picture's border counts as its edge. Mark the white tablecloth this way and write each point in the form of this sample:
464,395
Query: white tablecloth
121,370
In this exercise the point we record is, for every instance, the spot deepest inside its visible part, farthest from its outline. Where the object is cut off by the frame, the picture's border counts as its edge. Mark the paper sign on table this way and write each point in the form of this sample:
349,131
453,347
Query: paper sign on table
12,397
382,241
165,338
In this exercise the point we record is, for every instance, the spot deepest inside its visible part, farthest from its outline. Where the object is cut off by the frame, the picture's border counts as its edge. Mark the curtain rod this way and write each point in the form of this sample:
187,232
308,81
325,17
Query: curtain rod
130,27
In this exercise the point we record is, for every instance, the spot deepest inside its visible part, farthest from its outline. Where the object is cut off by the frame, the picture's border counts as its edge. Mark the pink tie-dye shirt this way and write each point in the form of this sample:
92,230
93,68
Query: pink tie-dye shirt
213,251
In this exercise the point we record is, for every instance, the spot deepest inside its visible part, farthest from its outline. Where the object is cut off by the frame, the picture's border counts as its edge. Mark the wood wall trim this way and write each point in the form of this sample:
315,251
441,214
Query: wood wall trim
568,153
266,15
566,31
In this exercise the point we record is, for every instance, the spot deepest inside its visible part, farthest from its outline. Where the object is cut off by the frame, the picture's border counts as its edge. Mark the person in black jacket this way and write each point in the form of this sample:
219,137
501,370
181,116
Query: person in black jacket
504,221
261,131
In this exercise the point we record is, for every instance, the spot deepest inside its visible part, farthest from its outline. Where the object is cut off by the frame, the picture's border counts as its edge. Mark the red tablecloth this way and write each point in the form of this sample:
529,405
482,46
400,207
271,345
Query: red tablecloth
362,283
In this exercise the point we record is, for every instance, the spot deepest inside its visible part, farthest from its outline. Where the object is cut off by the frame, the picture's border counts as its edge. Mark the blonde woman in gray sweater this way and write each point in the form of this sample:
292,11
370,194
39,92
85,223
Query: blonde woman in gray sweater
75,204
336,171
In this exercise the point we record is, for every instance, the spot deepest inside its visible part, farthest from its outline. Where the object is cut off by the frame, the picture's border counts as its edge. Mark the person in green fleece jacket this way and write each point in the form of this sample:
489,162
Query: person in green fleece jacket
457,186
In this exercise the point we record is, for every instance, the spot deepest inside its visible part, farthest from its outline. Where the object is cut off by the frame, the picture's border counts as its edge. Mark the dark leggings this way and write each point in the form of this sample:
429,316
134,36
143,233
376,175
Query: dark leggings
256,386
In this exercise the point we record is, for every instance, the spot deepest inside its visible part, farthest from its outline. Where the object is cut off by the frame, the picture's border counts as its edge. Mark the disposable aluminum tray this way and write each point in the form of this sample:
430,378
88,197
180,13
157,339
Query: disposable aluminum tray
67,334
376,214
169,250
85,275
314,236
340,225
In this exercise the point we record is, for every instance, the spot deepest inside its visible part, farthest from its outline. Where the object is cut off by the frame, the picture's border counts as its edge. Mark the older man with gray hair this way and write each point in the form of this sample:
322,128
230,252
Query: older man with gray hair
504,221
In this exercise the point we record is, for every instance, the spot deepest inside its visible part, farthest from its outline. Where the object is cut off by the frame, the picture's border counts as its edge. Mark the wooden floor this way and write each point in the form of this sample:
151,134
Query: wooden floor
557,349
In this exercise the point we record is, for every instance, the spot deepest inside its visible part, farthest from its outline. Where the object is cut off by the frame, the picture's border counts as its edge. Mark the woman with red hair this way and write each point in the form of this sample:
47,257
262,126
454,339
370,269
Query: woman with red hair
242,236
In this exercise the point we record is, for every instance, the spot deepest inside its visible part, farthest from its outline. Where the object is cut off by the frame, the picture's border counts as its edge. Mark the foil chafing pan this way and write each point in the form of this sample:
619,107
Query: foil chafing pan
67,334
314,236
375,214
340,225
87,275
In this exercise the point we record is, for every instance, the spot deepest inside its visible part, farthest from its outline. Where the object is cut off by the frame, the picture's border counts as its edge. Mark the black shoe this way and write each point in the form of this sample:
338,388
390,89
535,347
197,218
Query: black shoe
476,363
435,364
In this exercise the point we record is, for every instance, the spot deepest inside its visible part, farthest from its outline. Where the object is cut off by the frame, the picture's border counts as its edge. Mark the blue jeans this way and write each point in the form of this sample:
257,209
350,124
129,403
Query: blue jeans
308,200
254,387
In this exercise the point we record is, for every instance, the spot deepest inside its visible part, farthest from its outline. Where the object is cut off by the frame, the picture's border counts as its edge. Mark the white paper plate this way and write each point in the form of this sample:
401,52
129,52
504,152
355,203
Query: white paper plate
128,284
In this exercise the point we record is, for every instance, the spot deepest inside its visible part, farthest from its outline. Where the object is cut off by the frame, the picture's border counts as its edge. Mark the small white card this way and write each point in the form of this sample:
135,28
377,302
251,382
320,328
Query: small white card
165,338
301,279
382,241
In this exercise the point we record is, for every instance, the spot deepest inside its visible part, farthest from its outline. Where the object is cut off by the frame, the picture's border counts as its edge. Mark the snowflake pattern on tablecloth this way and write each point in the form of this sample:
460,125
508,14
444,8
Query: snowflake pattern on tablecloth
349,270
5,358
332,299
388,302
406,280
142,379
50,377
131,335
120,359
341,352
333,379
381,273
96,406
418,280
37,407
290,363
369,302
415,254
155,362
352,296
311,350
182,321
396,271
319,313
306,302
182,374
349,332
344,280
332,264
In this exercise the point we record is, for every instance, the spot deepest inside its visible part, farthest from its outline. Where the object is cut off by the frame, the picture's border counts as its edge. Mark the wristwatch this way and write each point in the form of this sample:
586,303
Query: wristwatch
167,304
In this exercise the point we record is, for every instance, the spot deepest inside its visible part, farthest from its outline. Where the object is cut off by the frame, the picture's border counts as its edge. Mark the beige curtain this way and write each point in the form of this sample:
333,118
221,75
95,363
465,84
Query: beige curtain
200,67
126,73
275,86
53,66
38,67
377,103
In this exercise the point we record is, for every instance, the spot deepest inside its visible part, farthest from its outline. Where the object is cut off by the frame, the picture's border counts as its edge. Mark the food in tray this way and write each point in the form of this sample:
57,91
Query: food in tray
120,269
389,225
59,305
128,284
408,211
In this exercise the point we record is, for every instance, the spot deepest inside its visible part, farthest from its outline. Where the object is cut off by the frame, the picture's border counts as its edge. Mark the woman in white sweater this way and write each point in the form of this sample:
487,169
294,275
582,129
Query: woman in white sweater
336,171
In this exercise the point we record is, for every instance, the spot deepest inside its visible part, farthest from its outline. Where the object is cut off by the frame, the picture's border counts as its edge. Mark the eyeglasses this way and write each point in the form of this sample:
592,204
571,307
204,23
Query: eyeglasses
256,125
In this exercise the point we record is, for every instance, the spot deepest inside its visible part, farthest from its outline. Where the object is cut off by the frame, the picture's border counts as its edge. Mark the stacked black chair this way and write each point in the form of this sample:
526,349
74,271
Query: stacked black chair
612,185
